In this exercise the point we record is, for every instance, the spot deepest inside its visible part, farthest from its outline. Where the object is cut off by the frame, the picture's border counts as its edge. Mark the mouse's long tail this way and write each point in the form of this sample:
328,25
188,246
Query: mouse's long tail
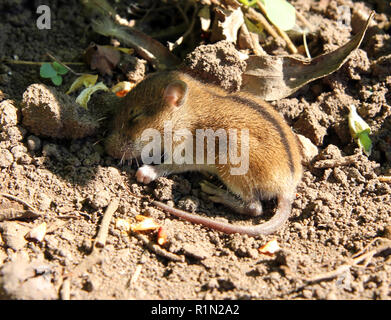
281,216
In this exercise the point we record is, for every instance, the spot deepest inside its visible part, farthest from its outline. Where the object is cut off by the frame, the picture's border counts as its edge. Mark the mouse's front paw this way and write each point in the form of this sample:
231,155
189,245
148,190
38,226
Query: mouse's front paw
146,174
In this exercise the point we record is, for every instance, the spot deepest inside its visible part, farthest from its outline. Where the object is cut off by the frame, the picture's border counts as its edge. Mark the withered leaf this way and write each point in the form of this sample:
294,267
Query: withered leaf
102,58
204,15
147,47
276,77
226,24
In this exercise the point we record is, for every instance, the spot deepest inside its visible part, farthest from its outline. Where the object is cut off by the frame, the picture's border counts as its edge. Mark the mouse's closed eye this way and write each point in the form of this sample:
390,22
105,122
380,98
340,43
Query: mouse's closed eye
135,115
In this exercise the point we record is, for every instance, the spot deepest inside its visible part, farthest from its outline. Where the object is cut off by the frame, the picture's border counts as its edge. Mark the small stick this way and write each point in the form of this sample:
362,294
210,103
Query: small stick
188,31
366,257
304,21
385,179
10,196
13,214
332,163
253,39
183,14
93,258
329,275
65,291
288,41
100,240
135,276
157,249
65,66
39,62
255,15
55,225
281,32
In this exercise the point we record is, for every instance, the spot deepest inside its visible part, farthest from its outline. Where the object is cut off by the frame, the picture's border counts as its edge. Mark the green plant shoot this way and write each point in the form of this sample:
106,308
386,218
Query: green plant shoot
53,71
360,131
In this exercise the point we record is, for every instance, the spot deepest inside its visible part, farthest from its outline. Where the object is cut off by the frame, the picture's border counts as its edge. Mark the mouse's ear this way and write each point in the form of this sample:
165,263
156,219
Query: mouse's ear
176,93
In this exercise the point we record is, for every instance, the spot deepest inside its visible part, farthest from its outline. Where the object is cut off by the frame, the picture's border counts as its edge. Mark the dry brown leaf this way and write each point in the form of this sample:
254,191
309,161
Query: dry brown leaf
270,248
226,24
204,15
273,78
38,233
148,48
161,236
145,224
122,88
102,58
122,224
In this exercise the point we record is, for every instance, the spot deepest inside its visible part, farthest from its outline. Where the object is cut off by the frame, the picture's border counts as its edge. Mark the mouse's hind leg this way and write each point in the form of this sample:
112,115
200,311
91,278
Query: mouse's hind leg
218,195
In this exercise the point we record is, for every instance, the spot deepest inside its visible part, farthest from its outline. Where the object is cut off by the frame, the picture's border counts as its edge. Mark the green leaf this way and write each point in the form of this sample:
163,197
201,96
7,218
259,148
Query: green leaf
357,124
359,130
57,80
59,68
248,3
47,71
365,142
281,13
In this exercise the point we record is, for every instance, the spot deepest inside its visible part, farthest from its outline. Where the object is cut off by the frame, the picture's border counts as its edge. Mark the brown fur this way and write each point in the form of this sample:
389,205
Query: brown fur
275,156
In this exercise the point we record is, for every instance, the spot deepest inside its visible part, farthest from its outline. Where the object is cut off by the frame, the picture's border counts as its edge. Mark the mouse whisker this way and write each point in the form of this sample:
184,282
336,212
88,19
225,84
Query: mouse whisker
97,141
138,165
122,158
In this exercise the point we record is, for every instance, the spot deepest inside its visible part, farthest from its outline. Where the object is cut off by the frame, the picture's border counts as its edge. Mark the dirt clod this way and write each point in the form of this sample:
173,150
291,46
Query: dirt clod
24,280
218,63
49,113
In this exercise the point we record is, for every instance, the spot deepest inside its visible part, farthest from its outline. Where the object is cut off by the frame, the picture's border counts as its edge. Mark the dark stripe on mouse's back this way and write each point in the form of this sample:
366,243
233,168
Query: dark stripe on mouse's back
274,122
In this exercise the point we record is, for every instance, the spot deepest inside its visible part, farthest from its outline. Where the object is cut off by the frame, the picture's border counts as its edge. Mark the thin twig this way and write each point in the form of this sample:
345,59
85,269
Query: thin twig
13,214
135,275
39,62
253,40
332,163
10,196
100,240
88,261
385,179
329,275
65,289
281,32
355,262
304,21
149,10
255,15
188,31
183,14
366,247
288,41
157,249
62,63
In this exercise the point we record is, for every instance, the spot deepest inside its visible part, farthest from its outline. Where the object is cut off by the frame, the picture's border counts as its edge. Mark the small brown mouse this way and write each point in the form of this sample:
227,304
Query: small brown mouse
274,157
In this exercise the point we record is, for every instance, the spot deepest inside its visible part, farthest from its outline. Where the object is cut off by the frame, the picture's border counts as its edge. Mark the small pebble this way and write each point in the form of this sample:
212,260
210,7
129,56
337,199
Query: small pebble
44,202
100,199
33,143
6,158
387,232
